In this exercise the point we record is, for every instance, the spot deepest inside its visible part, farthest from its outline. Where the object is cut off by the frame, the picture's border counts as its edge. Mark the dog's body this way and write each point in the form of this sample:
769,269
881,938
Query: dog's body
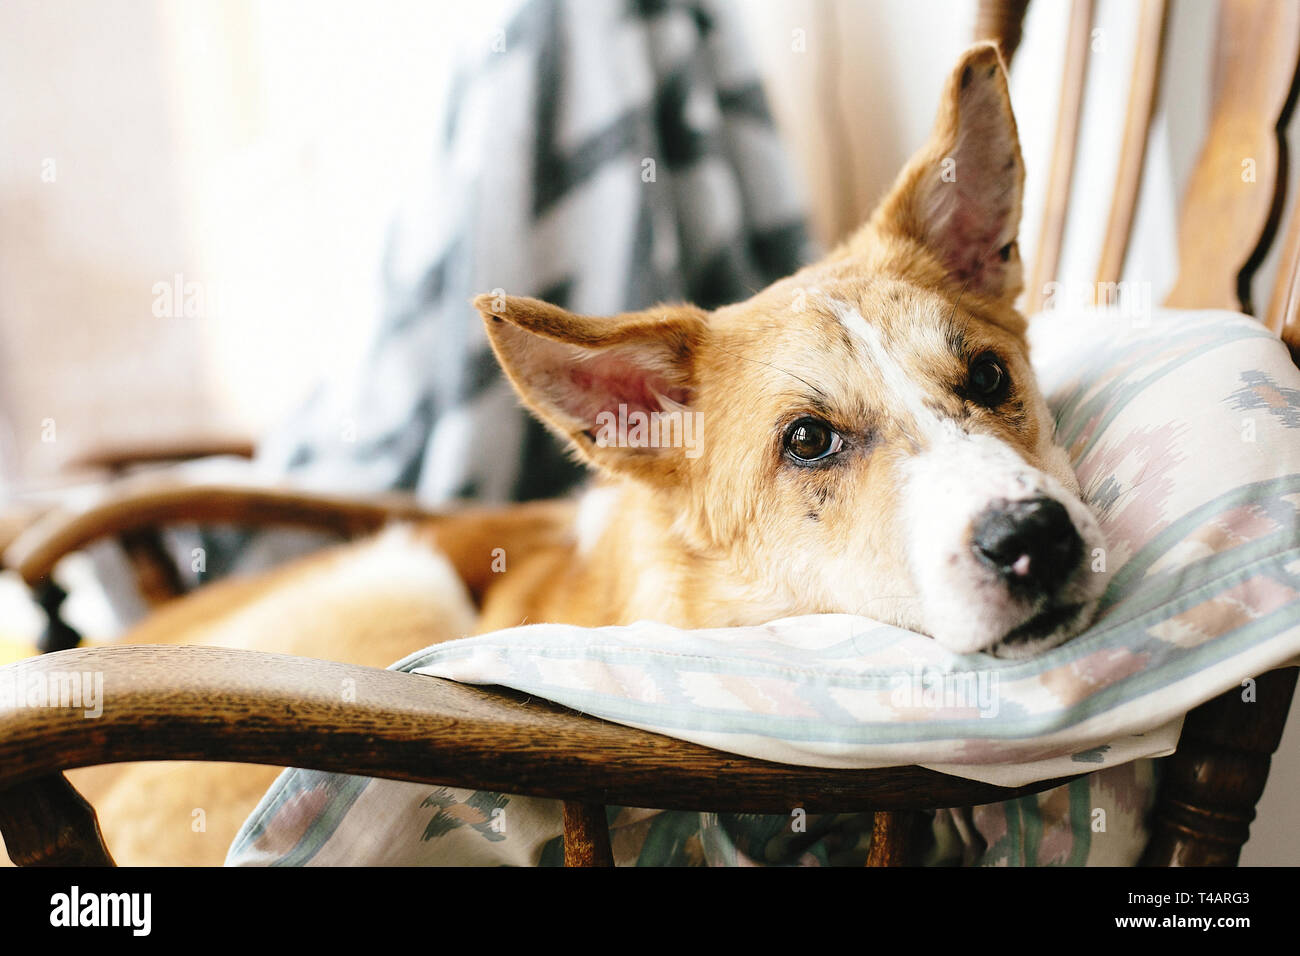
868,439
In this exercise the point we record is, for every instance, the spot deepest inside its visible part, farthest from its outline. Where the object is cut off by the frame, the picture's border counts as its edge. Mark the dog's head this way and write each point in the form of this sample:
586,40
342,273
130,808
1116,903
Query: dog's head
865,436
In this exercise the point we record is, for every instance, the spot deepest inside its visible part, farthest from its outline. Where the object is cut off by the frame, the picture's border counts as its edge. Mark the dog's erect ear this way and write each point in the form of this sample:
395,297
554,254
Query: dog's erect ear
619,388
960,196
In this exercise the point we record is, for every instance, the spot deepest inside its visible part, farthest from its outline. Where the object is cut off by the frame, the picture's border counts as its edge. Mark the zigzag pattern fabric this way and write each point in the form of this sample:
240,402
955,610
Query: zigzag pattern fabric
607,156
603,156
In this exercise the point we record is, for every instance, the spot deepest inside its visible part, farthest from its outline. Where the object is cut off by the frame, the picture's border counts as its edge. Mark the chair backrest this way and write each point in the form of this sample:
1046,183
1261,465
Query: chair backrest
1228,219
1236,193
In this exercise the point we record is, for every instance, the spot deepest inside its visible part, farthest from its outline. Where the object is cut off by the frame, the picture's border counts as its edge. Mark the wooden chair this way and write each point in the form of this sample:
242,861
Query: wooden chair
195,703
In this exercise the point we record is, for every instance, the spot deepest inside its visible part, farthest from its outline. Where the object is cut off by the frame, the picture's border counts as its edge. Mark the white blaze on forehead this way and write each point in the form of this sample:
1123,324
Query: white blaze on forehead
900,385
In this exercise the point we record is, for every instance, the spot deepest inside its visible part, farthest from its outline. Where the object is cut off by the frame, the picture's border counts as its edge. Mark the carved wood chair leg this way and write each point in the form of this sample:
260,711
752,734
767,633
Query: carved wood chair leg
586,835
1211,785
58,634
46,822
891,838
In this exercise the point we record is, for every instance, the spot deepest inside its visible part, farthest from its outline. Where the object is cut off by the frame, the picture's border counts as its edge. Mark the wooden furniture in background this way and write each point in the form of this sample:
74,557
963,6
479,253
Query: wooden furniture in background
1069,115
1143,86
1237,191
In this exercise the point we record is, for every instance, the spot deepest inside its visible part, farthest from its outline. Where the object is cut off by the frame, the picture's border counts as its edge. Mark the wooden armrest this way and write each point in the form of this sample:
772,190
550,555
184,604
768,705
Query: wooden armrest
136,505
15,520
202,703
119,457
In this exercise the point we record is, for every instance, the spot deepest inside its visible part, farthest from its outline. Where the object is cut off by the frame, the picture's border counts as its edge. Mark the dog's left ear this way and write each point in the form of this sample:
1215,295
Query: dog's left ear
617,388
960,196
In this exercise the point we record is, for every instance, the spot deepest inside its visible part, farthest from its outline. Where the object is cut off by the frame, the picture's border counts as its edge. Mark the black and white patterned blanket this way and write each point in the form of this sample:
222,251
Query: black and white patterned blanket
603,155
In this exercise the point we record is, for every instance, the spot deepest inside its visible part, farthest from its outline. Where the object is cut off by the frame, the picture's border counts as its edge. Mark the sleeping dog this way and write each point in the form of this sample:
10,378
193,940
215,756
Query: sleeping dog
864,437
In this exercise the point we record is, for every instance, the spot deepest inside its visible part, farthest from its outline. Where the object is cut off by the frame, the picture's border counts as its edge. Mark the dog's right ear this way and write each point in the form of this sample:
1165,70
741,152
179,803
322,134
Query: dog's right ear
584,375
960,195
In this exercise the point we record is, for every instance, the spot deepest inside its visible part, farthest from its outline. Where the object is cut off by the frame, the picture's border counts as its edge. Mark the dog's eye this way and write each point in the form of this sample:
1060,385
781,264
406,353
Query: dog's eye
988,382
809,440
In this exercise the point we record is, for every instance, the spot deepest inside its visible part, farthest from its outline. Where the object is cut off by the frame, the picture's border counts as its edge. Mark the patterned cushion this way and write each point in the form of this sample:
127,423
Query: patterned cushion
1183,430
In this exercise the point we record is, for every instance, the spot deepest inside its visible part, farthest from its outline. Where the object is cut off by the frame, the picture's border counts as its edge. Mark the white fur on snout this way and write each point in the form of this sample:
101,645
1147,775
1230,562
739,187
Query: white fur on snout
966,606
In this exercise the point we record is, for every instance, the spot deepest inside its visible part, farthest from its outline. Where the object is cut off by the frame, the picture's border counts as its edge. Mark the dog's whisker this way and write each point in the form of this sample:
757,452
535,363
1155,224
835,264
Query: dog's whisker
1127,491
775,368
957,301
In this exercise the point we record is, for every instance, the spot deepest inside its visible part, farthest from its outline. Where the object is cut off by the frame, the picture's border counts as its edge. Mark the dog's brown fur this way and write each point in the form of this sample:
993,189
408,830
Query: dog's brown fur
732,537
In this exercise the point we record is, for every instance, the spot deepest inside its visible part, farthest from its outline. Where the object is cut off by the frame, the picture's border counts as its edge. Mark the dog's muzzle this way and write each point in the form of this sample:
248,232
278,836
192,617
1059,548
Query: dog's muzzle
998,550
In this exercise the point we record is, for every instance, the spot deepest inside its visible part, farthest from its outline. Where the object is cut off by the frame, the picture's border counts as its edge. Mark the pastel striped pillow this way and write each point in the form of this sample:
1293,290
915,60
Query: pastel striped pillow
1184,428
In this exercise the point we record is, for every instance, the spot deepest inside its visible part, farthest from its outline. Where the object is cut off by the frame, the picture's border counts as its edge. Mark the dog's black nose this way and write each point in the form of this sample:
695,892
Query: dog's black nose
1032,544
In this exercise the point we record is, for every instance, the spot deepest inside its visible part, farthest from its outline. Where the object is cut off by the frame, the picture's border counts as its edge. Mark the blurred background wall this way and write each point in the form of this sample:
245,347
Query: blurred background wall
255,150
244,156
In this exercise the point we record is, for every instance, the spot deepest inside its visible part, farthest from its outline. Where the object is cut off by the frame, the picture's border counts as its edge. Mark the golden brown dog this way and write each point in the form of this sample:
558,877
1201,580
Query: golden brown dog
865,436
